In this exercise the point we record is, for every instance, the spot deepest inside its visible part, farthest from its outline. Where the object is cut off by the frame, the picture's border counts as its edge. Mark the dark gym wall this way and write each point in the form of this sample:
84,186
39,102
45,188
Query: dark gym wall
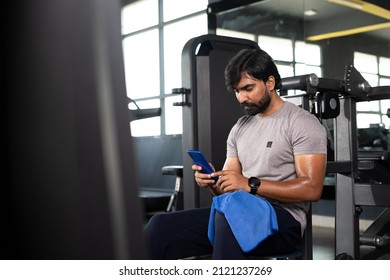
338,52
152,153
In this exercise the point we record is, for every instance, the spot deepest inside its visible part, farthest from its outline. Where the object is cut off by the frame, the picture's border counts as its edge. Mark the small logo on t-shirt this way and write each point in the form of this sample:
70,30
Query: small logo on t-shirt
269,144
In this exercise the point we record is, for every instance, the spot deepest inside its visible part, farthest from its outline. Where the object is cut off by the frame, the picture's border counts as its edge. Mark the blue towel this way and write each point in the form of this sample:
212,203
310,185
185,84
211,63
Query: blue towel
251,218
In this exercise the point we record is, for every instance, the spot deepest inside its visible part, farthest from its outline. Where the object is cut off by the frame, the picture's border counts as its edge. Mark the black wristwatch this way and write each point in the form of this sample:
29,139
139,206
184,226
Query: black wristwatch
254,183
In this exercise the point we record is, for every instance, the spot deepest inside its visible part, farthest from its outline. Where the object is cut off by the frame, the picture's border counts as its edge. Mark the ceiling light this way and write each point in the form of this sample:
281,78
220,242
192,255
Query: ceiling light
310,13
364,6
347,32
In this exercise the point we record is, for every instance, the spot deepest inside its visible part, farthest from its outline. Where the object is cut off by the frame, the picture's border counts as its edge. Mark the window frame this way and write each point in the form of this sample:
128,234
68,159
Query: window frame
382,115
162,94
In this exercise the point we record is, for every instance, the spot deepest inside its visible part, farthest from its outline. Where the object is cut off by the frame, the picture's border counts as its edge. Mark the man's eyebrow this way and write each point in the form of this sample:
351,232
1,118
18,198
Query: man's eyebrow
247,86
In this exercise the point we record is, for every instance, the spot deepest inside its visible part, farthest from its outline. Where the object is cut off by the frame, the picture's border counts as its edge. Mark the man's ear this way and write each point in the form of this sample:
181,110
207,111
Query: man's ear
270,83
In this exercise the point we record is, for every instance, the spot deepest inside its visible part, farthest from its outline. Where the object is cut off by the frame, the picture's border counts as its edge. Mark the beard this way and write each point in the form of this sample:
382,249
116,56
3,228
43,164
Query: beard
252,109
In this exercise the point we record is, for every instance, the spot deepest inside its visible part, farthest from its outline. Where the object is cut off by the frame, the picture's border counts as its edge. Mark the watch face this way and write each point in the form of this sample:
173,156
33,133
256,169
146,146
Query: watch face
253,182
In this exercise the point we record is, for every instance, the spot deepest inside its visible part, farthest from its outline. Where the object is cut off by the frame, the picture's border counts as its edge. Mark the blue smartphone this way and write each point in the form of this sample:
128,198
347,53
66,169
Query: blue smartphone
199,159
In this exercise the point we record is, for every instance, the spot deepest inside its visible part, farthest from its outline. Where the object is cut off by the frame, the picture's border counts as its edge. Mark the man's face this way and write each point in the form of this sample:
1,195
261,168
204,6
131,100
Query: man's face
253,95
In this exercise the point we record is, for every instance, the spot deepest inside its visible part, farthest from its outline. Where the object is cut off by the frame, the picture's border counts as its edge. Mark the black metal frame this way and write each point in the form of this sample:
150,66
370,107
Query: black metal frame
350,195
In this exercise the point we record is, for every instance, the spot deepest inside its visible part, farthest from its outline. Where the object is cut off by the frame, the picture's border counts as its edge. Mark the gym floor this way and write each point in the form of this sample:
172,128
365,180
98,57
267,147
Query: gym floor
324,244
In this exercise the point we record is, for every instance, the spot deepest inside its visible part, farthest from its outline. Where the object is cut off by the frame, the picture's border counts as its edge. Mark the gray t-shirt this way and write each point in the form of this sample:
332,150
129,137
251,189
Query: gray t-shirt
266,147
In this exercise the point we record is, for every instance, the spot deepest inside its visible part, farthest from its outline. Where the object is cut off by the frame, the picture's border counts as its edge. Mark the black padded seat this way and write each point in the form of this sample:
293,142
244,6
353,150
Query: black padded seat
176,170
154,200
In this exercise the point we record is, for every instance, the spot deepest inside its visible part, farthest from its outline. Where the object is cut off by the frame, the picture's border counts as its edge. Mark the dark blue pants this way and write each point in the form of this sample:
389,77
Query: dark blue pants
183,234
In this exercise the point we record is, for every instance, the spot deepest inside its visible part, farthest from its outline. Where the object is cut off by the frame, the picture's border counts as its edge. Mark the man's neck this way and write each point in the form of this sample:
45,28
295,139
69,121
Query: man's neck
274,106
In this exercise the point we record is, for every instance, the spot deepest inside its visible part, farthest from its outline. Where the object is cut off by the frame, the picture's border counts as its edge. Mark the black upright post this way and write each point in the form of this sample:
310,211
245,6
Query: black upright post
347,218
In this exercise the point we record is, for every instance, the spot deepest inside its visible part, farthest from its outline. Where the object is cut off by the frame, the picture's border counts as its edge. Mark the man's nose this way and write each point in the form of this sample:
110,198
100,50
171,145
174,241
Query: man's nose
241,96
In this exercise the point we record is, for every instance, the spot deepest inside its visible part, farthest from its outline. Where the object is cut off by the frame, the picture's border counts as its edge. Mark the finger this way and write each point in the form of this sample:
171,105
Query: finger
220,181
222,184
217,174
200,175
204,179
196,167
204,182
221,173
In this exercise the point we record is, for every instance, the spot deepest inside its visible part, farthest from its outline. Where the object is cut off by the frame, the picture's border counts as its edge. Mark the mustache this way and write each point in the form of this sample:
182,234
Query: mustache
248,104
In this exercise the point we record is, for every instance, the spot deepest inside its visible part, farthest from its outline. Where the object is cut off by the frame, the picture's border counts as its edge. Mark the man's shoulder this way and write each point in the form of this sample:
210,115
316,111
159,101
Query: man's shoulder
293,110
289,106
299,117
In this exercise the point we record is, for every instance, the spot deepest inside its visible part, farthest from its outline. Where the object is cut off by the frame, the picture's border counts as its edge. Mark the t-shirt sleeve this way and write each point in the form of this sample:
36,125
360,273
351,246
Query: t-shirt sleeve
231,145
309,136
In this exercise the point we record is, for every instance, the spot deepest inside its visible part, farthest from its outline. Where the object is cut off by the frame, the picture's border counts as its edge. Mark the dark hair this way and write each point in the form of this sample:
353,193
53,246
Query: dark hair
256,63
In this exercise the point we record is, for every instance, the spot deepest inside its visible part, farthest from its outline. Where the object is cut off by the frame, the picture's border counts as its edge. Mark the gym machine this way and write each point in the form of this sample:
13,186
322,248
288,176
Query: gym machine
361,176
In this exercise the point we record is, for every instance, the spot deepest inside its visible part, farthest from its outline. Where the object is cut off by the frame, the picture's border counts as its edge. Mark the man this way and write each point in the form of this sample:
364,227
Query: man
277,152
